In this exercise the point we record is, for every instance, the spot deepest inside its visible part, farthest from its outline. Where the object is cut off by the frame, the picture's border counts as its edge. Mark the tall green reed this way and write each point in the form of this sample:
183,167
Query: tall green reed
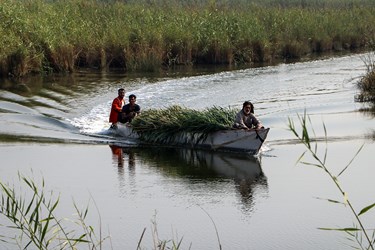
358,231
366,84
32,214
42,36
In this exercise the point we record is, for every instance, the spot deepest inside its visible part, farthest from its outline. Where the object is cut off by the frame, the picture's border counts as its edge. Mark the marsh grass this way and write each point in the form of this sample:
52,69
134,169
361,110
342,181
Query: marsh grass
366,84
34,219
358,233
31,212
162,125
32,216
60,36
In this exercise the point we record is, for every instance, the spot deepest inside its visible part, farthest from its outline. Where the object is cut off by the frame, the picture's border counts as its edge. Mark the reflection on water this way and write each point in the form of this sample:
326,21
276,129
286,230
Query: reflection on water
123,159
195,167
368,110
117,156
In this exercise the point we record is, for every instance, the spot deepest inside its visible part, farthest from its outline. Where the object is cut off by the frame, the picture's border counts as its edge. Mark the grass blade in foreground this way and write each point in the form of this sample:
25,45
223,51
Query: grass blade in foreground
36,231
35,218
307,141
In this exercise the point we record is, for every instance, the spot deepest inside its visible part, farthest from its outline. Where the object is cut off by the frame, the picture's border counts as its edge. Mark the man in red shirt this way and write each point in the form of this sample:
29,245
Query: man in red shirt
116,108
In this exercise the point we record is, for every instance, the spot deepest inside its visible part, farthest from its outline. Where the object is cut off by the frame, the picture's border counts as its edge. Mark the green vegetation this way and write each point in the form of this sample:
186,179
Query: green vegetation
42,36
162,125
358,232
366,84
367,87
32,213
33,216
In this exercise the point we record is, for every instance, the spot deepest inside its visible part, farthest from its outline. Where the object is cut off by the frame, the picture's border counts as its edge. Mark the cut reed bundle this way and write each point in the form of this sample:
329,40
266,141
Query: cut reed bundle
162,125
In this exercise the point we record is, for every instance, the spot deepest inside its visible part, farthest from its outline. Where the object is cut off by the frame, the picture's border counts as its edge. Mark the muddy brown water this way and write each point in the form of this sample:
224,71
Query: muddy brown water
56,129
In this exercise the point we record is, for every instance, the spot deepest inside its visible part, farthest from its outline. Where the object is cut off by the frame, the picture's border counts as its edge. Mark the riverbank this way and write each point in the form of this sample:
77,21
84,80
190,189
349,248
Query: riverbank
62,36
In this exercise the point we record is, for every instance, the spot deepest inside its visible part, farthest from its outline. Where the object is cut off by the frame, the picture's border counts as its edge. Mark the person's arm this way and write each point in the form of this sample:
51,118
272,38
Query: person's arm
116,105
133,111
256,123
125,109
137,109
239,122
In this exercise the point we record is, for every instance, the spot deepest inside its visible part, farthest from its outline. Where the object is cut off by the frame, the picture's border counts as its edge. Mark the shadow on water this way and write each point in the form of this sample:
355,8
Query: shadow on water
196,167
369,111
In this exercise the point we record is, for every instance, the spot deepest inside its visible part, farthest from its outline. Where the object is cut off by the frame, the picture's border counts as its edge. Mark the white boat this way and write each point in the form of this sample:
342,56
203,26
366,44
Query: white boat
233,140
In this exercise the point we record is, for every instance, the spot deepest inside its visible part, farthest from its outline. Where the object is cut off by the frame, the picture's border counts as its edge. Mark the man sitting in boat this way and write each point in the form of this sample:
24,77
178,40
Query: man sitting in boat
245,119
116,107
130,110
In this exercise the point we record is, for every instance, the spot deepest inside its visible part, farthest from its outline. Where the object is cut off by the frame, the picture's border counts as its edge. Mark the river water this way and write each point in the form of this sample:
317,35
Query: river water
56,128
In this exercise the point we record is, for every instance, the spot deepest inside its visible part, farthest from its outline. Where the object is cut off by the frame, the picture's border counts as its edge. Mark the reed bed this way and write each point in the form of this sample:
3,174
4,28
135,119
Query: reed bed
162,125
366,84
63,35
367,88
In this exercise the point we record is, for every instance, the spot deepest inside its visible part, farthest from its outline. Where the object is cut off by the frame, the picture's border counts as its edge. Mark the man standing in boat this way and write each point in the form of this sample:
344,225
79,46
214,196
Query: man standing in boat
245,119
130,110
116,108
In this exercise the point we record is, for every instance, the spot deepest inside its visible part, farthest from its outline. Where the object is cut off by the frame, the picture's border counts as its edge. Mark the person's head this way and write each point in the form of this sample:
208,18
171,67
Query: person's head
248,107
132,98
121,93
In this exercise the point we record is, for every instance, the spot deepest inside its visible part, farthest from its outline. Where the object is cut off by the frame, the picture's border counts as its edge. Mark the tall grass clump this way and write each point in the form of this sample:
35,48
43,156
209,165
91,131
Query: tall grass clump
31,213
63,35
162,125
363,237
366,84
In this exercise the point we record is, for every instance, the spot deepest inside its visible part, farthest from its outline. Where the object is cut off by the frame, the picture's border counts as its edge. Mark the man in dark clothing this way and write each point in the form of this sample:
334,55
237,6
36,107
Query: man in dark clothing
130,110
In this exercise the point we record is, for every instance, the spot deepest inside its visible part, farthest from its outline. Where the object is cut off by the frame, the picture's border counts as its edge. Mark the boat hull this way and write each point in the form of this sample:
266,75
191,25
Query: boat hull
233,140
